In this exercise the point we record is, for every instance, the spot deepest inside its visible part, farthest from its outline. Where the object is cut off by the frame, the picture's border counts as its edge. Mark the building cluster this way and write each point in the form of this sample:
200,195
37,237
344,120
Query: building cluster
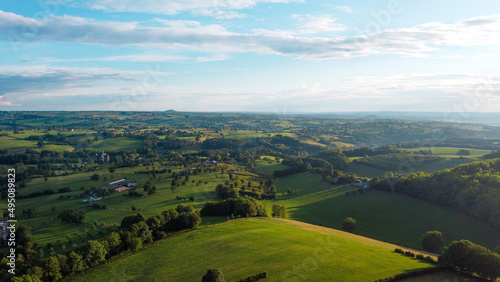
120,185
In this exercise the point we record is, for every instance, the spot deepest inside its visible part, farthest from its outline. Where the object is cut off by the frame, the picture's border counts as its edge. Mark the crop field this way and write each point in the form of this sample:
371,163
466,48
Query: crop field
250,246
389,217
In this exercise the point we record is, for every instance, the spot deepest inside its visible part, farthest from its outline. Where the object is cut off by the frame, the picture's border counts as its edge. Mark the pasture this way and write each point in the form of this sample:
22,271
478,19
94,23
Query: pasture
247,247
384,216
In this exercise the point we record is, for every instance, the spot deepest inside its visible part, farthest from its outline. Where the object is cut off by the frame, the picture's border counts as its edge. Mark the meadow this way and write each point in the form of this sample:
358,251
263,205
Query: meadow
118,205
384,216
247,247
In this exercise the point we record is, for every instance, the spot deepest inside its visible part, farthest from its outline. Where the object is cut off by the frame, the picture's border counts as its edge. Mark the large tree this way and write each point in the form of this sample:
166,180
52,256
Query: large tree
433,241
349,224
93,253
52,270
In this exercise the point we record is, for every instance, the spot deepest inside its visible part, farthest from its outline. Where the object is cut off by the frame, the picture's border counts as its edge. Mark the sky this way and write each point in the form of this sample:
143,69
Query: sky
281,56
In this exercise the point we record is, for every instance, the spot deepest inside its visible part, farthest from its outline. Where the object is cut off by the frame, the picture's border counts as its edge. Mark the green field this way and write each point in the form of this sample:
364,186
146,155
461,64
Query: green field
246,247
16,145
267,168
116,144
384,216
365,171
450,151
118,205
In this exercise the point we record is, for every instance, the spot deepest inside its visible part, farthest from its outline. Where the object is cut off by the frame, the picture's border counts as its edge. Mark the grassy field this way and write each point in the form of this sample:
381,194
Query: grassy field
116,144
266,168
450,161
365,171
451,152
250,246
443,164
118,205
16,145
389,217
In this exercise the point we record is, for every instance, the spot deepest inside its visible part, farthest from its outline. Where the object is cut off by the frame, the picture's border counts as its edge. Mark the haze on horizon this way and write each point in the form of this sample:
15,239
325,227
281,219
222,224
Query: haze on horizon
253,56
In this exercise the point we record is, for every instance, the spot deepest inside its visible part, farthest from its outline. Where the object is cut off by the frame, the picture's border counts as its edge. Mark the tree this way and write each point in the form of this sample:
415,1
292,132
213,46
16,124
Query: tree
279,211
93,253
213,275
349,224
52,270
70,215
75,263
463,152
467,257
26,240
432,241
136,244
95,177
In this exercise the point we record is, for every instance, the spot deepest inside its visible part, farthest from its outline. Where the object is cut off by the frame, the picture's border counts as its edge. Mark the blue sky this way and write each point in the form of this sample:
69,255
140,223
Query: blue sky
250,55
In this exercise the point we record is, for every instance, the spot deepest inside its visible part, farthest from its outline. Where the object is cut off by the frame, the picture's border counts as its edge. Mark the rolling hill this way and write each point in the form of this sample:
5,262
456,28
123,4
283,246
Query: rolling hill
241,248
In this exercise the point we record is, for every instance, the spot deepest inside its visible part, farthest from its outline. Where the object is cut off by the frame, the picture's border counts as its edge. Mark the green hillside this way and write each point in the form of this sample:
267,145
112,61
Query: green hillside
383,216
241,248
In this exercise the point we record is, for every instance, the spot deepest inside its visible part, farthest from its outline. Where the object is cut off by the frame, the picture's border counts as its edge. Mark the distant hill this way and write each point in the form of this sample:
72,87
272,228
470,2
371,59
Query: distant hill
171,111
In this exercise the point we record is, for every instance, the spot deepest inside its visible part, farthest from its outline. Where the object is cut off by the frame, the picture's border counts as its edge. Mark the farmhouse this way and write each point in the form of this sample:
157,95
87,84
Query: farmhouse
120,185
91,200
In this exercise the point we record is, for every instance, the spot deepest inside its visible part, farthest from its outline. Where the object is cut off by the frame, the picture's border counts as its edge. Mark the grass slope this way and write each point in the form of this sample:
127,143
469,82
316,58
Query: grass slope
384,216
246,247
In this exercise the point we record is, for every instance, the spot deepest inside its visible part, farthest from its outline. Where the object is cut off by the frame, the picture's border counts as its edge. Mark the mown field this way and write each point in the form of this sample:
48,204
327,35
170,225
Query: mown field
250,246
389,217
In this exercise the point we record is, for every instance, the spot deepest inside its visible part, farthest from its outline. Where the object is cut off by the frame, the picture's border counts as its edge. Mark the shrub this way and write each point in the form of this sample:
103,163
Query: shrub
410,254
213,275
253,278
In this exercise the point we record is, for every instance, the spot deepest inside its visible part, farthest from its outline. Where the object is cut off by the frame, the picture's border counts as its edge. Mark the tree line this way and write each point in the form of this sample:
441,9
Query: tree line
135,231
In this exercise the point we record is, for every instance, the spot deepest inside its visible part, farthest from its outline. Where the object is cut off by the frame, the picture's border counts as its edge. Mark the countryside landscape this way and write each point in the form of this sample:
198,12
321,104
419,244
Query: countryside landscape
249,140
142,195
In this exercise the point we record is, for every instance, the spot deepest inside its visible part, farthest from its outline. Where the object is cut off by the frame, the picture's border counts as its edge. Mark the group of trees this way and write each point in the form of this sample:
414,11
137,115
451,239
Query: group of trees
135,231
279,211
72,216
472,188
467,257
215,275
242,207
235,189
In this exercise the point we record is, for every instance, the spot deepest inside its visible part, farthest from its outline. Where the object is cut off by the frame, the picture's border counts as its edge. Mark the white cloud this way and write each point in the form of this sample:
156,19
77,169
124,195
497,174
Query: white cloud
145,58
311,24
416,41
214,8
